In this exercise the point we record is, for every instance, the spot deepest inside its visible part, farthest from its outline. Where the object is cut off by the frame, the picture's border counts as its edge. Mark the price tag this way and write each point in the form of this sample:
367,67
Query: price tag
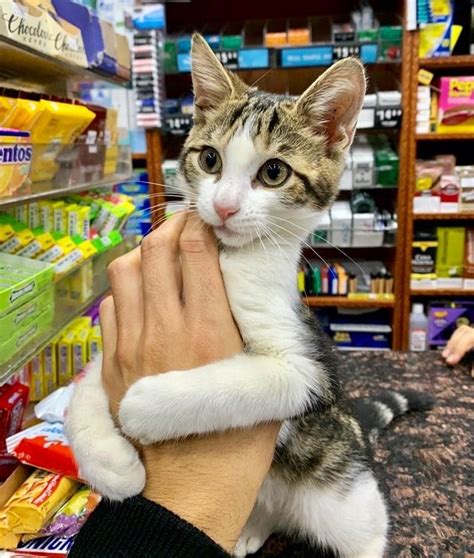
179,124
228,58
344,51
389,117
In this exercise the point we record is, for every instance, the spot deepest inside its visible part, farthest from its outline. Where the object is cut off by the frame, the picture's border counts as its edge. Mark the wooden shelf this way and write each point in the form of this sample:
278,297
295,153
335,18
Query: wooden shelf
443,216
139,156
446,62
345,302
434,136
442,292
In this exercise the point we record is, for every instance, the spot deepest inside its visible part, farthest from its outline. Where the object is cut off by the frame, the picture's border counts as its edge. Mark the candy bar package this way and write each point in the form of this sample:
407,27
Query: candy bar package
47,547
69,519
32,505
44,446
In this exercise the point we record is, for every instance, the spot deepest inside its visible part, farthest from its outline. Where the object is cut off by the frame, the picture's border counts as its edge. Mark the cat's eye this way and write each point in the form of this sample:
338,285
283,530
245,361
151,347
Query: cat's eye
210,161
274,173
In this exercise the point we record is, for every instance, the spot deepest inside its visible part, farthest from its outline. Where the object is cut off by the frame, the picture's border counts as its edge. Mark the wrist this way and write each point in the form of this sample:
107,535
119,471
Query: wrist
212,481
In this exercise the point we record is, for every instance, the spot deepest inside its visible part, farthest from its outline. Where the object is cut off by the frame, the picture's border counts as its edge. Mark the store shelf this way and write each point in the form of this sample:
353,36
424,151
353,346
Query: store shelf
442,292
382,119
447,62
468,216
65,310
139,156
25,67
434,136
346,302
44,190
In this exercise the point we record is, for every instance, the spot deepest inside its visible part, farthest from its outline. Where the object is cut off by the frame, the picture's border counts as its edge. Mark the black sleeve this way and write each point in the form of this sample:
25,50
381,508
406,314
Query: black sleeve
139,528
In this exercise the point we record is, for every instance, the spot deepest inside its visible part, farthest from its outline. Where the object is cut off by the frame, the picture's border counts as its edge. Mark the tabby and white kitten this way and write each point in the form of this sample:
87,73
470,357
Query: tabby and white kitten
262,168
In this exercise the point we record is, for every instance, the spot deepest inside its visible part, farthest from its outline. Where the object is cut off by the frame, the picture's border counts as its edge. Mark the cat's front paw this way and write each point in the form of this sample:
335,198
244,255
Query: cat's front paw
151,410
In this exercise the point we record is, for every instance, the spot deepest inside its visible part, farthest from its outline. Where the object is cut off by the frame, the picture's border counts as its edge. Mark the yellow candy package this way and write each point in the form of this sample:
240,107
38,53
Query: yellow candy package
15,159
71,516
35,502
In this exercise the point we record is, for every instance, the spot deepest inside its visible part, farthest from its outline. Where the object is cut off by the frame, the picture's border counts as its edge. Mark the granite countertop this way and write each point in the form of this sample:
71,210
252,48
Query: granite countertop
423,461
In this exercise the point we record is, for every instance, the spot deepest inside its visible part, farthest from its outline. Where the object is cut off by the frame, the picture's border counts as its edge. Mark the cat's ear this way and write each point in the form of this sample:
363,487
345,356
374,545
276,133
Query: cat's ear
212,84
331,105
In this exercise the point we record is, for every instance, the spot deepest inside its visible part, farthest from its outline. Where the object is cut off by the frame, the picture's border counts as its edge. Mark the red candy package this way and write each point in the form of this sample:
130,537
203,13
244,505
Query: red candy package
13,400
44,446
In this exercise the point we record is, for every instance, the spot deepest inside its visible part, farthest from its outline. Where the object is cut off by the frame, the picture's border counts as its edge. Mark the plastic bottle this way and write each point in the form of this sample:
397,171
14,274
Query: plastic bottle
418,328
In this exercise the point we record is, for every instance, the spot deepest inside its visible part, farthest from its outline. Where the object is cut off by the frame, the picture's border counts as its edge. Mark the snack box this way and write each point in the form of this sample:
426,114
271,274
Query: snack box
16,18
21,279
91,32
456,105
23,336
23,315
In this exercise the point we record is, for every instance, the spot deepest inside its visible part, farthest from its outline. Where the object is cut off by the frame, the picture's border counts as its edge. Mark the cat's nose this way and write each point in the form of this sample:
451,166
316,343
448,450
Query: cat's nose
225,211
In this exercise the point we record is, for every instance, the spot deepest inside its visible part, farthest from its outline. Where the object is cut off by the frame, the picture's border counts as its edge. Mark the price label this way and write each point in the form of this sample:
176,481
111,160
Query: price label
344,51
389,117
179,124
228,58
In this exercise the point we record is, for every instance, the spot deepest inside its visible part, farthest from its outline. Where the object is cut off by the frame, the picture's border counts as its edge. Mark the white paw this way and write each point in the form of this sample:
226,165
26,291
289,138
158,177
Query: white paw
150,411
249,543
111,466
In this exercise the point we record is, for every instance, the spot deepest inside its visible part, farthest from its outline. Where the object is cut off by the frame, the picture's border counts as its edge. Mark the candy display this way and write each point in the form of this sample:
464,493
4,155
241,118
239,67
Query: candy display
79,36
442,186
442,258
71,516
32,505
34,149
45,446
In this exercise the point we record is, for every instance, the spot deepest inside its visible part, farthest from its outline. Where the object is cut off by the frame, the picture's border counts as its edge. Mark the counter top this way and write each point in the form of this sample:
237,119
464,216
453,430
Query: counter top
423,461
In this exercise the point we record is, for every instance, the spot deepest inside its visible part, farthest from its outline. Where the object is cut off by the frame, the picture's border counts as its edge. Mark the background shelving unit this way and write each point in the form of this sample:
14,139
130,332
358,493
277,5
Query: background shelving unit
429,142
164,144
26,69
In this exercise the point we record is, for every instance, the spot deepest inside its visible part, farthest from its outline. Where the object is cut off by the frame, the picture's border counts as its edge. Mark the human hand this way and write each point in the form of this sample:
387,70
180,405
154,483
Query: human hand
169,311
461,342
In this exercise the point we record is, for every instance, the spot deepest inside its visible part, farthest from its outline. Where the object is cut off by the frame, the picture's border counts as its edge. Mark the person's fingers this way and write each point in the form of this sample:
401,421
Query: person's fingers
450,347
203,286
126,284
462,346
160,273
108,326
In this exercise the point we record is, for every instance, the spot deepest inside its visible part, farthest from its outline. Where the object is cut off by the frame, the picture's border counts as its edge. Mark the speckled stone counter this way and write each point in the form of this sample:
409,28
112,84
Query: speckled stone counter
424,461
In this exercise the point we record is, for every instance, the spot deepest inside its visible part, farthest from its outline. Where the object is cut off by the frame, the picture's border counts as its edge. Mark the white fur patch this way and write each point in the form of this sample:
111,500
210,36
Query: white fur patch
385,413
401,401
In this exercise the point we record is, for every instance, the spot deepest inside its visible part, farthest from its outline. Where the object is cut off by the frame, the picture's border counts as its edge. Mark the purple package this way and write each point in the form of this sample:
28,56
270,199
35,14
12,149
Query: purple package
444,318
93,312
89,24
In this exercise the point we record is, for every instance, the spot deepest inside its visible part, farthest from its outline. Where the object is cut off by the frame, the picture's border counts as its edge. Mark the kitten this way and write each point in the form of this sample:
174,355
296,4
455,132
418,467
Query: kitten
262,168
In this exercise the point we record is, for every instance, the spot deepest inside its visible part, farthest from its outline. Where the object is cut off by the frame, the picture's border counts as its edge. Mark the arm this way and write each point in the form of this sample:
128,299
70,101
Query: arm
139,528
236,393
209,482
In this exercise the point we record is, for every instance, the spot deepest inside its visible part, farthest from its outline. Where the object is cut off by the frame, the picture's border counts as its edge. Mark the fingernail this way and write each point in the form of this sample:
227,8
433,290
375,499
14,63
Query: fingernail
445,353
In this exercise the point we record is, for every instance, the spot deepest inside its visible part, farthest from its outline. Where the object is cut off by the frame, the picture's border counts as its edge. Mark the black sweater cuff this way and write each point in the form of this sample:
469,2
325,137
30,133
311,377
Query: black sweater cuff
139,528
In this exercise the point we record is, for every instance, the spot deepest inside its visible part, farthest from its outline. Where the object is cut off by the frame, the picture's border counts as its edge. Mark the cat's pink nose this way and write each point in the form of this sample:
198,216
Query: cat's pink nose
225,211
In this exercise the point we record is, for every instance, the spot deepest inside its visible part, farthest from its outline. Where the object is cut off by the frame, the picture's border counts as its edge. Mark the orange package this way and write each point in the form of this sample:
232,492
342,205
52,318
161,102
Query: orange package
15,159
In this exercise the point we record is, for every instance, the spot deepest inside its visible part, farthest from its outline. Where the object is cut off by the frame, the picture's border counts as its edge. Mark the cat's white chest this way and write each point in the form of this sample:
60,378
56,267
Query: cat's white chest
263,301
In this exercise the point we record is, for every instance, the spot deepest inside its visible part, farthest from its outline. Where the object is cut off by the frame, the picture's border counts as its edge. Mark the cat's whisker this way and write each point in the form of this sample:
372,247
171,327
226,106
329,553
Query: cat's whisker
303,242
258,80
361,269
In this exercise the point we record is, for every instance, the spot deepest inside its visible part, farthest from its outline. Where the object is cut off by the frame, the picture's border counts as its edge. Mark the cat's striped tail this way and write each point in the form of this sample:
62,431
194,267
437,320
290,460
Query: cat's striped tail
377,412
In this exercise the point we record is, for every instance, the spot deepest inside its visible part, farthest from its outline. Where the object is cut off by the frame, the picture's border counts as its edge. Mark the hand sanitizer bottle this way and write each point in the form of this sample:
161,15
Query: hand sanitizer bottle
418,328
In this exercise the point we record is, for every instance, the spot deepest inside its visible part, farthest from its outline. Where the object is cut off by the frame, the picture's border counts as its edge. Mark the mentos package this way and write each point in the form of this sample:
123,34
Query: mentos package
444,318
456,105
15,159
44,446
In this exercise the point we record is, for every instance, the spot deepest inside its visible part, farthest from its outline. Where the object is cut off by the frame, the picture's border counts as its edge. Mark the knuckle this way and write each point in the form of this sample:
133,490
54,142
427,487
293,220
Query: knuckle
192,245
157,240
117,267
123,356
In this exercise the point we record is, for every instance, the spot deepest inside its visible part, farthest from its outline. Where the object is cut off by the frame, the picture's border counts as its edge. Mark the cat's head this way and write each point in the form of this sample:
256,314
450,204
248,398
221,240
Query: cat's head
256,163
